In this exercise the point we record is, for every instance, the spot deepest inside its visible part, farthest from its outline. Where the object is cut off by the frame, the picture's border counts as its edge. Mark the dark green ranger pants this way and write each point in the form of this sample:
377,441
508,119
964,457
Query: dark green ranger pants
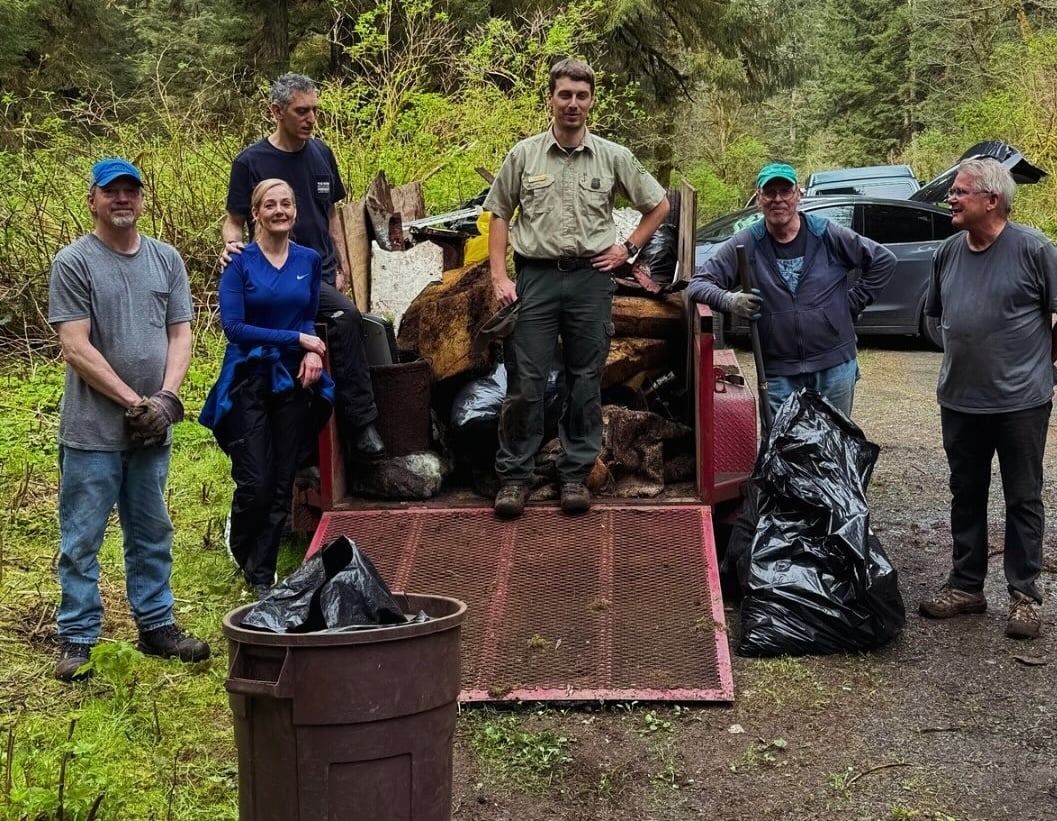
571,300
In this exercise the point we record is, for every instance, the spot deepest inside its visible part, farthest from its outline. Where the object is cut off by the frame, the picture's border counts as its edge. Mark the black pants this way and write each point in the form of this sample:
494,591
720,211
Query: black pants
971,441
263,434
353,393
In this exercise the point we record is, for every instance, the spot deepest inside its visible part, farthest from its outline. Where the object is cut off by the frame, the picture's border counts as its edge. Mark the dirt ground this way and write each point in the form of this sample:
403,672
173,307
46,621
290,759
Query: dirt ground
950,722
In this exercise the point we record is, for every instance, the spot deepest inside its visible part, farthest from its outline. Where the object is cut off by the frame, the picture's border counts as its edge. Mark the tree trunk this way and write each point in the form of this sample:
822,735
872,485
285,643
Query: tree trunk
274,55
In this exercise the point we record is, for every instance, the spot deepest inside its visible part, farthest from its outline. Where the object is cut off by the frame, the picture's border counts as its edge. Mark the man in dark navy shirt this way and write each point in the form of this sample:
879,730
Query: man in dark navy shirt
292,154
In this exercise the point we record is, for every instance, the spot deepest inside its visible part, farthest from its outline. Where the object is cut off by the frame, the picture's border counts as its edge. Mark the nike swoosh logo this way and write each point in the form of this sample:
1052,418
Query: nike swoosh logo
302,276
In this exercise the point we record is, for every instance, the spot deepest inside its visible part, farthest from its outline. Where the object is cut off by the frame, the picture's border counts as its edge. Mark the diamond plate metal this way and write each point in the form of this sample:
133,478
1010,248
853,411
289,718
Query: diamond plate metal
735,426
621,603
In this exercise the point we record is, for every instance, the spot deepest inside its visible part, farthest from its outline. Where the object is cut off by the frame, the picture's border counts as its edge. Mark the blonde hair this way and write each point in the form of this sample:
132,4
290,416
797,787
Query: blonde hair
264,186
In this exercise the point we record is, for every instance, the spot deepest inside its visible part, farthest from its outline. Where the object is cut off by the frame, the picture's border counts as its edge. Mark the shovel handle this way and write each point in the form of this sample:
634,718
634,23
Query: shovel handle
745,275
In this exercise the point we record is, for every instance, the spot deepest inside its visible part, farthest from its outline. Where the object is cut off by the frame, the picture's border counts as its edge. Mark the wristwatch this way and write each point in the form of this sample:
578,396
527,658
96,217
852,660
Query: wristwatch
631,248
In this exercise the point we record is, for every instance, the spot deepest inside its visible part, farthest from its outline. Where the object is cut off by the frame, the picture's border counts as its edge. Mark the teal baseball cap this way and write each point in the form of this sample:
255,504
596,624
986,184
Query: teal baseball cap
776,171
106,171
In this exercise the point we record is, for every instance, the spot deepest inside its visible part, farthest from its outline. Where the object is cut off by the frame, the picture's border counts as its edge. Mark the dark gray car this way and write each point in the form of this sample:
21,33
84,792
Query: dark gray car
911,229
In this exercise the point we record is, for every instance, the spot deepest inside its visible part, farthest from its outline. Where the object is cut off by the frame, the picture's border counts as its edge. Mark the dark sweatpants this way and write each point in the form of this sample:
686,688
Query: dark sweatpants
971,441
263,434
353,393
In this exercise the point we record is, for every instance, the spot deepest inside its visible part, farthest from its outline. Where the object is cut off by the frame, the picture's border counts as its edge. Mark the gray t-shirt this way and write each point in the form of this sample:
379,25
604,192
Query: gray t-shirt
994,308
130,299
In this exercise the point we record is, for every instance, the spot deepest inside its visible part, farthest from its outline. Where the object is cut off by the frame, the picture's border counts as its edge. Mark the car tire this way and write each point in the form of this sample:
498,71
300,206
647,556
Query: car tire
931,331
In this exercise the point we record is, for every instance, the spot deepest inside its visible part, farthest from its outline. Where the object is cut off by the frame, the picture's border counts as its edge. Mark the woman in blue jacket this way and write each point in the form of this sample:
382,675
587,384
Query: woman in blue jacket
272,392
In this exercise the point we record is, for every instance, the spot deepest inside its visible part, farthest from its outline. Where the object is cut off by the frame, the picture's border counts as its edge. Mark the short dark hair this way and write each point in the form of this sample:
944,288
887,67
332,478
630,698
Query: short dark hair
576,70
287,86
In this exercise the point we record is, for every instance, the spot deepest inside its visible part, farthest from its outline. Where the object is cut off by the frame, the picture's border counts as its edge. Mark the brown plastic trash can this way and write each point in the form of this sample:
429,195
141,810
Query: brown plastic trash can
356,725
402,396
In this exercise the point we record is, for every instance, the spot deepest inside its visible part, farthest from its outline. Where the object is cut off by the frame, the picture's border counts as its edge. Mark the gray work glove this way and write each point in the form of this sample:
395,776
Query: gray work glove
745,303
151,418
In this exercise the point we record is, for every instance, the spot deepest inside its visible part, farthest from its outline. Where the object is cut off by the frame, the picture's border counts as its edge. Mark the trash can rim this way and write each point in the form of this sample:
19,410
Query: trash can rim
232,626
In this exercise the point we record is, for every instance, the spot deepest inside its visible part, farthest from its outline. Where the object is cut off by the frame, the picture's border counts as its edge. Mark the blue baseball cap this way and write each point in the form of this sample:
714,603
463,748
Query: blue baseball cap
776,171
106,171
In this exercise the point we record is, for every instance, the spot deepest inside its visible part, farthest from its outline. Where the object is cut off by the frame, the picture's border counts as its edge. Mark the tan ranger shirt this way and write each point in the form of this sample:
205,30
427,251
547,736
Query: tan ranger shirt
566,201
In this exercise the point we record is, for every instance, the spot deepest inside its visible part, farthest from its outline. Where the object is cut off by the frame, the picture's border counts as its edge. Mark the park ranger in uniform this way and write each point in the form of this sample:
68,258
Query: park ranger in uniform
562,183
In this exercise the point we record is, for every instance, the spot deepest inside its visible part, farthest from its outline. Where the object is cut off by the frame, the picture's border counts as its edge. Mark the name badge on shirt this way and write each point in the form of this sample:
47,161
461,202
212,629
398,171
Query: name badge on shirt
536,178
322,188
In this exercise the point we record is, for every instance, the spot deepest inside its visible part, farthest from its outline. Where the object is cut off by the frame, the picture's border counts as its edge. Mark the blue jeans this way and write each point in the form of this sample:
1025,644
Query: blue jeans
91,482
837,384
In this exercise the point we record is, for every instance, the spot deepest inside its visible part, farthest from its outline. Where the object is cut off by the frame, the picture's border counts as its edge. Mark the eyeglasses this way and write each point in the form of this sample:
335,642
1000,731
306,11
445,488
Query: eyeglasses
777,194
964,192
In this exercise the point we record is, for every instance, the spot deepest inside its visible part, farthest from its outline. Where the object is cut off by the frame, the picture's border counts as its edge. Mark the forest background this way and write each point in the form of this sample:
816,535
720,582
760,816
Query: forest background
427,90
702,89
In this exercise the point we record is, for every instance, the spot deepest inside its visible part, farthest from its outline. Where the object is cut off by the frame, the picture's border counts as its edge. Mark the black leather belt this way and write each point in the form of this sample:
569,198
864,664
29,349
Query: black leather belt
561,263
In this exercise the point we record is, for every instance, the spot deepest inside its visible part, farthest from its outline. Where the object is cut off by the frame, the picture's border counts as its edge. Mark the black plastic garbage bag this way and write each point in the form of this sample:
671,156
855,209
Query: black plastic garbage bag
480,400
338,588
659,256
476,407
817,580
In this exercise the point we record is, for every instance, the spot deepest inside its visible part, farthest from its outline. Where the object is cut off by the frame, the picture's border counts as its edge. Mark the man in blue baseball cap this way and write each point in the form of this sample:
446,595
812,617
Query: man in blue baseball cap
805,298
106,171
121,305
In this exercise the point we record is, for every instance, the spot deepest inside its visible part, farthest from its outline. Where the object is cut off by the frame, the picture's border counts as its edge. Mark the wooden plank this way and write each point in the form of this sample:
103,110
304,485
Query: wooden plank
353,216
408,202
687,226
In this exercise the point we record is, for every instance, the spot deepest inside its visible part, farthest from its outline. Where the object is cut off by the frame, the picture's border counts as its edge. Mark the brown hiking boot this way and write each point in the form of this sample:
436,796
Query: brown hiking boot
1025,621
576,498
950,601
510,500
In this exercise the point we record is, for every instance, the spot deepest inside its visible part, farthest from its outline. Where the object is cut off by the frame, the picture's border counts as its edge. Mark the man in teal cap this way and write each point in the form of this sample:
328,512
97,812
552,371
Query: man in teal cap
805,300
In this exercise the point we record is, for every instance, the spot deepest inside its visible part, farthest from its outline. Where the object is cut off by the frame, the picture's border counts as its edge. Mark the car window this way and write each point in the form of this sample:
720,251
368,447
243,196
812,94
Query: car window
941,226
840,214
891,189
893,223
725,227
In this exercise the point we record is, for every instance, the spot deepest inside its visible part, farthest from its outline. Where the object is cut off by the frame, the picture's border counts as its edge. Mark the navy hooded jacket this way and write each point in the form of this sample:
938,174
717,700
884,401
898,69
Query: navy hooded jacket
814,328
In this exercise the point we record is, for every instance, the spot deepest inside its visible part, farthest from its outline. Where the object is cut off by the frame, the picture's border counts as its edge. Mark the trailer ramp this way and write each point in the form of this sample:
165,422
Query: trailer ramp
621,603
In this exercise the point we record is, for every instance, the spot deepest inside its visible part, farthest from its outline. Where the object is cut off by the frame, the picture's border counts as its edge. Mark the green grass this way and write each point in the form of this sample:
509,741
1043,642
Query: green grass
144,738
513,754
786,682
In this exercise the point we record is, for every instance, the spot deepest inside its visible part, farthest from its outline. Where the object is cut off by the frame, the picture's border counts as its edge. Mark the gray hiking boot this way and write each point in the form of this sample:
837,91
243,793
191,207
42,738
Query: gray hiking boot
576,498
170,642
72,657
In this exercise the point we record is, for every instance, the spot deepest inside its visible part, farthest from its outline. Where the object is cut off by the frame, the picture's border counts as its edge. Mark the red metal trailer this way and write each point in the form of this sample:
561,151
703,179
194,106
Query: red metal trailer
620,603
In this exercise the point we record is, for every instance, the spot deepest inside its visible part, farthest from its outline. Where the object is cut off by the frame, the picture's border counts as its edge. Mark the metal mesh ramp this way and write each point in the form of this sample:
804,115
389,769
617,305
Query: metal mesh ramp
621,603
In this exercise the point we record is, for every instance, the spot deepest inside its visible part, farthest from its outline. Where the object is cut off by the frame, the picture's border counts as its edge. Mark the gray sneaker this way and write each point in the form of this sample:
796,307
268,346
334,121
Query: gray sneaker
1025,621
72,657
949,601
510,500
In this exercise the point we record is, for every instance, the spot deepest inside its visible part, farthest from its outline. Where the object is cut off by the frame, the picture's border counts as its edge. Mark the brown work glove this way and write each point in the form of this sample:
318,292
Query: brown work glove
150,419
